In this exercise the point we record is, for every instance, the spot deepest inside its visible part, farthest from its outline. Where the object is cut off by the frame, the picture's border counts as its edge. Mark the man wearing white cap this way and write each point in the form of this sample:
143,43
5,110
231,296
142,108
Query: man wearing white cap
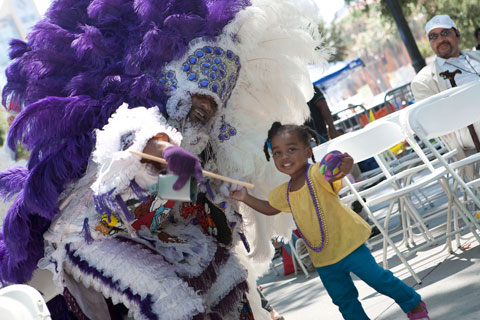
444,37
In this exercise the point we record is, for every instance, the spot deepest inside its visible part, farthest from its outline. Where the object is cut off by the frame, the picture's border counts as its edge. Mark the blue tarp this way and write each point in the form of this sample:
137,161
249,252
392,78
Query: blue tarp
324,77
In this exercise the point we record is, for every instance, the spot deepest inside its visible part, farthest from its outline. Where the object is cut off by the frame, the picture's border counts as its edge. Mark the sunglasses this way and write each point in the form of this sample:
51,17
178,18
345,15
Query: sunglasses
444,33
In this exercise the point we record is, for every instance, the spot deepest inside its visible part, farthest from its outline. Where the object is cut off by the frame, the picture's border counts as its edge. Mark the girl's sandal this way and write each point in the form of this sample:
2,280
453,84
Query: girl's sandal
422,315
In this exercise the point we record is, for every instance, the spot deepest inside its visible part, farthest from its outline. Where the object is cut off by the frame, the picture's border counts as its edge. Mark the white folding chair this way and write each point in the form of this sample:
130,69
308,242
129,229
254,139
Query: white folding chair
297,260
447,112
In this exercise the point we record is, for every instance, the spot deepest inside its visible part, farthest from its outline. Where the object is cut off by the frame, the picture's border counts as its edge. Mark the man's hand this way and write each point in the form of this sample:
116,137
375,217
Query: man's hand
183,164
333,132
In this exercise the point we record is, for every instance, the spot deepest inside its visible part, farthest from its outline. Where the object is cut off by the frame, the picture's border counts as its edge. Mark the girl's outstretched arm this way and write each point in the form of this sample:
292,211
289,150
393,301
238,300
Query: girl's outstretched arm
261,206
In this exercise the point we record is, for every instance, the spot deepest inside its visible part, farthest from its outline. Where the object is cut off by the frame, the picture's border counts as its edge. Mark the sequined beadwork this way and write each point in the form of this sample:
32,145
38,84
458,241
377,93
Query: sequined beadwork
212,68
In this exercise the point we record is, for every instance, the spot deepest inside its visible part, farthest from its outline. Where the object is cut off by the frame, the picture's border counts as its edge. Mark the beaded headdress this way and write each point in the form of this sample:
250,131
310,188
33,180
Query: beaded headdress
209,70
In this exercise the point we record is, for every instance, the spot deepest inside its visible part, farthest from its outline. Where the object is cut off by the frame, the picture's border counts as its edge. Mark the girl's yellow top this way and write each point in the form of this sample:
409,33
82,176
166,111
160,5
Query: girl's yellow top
344,230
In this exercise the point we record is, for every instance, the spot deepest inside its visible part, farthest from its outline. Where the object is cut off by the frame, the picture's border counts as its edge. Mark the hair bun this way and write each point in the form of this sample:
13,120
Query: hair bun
276,125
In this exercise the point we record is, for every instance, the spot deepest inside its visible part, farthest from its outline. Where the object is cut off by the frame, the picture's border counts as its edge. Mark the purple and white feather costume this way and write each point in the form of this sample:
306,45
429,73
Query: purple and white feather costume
80,64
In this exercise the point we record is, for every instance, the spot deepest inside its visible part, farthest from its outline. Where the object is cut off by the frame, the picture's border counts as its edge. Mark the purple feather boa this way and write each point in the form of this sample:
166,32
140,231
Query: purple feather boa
80,63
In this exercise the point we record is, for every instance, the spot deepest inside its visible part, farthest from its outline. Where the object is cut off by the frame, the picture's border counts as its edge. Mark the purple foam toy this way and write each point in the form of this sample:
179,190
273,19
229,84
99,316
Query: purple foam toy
330,163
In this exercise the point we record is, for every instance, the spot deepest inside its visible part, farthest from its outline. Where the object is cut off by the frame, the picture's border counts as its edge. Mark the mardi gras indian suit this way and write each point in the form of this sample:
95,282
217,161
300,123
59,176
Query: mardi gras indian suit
98,79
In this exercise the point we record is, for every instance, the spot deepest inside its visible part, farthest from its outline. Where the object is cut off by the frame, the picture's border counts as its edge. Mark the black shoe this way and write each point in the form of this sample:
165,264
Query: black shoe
375,232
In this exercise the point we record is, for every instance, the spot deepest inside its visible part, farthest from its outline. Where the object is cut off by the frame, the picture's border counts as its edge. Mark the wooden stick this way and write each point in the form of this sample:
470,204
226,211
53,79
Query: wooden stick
205,173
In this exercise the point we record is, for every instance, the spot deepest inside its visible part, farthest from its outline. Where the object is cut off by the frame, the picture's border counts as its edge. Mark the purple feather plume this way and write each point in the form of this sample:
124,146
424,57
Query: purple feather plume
160,44
91,46
17,48
198,7
80,63
68,14
106,12
12,181
17,265
16,227
151,10
222,12
186,24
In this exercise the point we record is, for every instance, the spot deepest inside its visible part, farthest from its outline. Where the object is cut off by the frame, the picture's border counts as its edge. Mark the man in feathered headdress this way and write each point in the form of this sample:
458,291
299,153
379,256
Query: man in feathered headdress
177,79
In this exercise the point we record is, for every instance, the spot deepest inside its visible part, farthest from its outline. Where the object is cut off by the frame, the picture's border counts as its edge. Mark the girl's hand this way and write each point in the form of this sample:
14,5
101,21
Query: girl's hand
345,167
346,164
240,195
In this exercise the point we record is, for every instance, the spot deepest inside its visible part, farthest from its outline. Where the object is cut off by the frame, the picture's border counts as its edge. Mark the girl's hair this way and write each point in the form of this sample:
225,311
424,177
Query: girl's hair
304,133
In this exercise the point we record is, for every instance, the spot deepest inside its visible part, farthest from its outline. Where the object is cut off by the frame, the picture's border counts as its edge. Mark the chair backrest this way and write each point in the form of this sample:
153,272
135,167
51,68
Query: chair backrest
369,141
321,150
446,111
22,302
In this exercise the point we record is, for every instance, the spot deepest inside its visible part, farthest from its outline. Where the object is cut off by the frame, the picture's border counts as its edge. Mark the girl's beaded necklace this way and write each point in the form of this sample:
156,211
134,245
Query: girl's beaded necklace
317,209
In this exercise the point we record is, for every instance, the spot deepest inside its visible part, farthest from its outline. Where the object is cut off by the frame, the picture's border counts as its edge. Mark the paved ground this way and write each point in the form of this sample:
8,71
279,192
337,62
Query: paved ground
450,287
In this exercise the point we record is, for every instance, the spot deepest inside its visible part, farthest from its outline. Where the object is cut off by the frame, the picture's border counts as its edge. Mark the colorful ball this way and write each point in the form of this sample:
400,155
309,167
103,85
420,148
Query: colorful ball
330,163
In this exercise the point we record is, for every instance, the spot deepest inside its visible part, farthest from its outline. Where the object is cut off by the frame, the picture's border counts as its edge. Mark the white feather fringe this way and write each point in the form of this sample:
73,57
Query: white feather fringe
118,167
277,39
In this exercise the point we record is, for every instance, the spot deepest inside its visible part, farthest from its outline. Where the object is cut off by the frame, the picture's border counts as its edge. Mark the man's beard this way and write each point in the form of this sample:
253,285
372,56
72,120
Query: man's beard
195,142
445,54
195,136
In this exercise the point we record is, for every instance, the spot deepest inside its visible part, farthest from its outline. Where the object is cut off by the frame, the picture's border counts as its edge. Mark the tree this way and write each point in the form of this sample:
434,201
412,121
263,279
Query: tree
334,41
465,13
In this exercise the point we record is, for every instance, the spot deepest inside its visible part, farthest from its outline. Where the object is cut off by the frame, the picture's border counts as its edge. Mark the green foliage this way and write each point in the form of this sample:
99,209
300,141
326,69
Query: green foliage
409,8
3,125
424,48
334,41
22,153
366,33
465,13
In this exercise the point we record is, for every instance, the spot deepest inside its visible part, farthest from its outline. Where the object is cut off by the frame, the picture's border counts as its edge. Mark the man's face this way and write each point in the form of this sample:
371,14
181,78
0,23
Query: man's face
203,108
444,42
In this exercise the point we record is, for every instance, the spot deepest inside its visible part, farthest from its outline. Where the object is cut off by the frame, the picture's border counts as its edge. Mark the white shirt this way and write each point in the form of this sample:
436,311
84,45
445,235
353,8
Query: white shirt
470,68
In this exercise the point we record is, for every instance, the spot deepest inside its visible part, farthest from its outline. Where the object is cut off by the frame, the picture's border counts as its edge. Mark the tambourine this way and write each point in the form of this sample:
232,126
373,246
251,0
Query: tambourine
329,166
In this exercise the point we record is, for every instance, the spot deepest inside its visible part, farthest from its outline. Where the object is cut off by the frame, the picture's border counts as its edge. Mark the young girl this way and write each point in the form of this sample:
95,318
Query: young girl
334,234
